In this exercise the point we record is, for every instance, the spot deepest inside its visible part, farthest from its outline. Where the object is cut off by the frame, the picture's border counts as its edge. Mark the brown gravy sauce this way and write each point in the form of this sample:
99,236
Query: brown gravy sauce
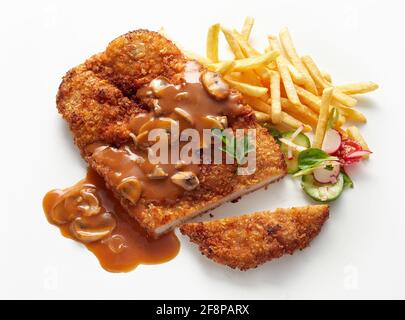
127,246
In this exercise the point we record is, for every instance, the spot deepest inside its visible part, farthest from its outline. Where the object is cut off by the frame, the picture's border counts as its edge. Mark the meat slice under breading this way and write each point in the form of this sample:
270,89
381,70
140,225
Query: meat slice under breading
98,100
246,242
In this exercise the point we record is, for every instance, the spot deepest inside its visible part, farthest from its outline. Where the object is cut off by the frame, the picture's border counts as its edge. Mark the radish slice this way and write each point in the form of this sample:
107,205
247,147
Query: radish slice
294,146
324,175
359,154
293,137
332,141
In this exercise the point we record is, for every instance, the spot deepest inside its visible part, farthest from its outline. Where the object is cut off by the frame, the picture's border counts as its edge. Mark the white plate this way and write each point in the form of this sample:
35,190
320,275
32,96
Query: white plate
359,253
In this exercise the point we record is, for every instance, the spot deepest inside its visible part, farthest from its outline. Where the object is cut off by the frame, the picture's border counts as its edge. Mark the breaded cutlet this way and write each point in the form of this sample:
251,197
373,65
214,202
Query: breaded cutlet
248,241
98,100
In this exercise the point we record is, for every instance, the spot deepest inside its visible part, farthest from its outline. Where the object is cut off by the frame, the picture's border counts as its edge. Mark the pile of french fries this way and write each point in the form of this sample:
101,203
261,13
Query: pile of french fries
284,88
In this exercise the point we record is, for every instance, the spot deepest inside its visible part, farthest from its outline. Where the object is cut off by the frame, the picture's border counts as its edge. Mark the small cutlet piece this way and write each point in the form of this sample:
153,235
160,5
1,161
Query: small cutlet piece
248,241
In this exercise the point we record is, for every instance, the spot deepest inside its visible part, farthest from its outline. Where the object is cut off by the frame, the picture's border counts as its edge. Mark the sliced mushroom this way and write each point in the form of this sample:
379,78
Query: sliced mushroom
157,174
95,228
89,205
74,203
131,189
186,179
157,109
159,123
215,85
159,84
185,115
215,122
59,215
180,164
142,139
182,96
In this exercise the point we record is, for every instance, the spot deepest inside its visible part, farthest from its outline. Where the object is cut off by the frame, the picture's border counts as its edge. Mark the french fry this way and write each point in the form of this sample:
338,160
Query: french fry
194,56
250,77
287,121
286,76
246,48
275,97
323,118
358,88
322,83
247,27
352,114
327,76
288,45
222,67
297,77
262,117
282,66
258,104
212,42
293,123
300,112
233,43
354,133
309,99
255,62
248,89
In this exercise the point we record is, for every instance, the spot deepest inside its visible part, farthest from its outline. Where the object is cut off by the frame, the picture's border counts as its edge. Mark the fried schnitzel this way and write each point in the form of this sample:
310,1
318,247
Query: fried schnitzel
100,100
246,242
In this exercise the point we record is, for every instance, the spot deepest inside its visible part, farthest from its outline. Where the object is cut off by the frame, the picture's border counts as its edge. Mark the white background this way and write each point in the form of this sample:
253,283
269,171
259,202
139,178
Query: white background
359,254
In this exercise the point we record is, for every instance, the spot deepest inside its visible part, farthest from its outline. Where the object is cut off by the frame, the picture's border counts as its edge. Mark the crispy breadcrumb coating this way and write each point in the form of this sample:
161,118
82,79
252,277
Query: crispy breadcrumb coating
248,241
98,100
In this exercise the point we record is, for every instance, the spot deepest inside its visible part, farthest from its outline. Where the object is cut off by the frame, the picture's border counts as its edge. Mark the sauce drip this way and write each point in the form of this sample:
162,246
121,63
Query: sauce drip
124,244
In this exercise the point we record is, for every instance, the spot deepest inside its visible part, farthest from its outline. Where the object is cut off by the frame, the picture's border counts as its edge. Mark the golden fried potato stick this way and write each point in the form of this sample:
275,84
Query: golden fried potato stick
323,118
297,77
300,112
358,88
323,84
247,49
247,89
247,27
275,92
288,45
212,42
284,72
351,114
287,121
354,133
194,56
255,62
326,76
222,67
233,43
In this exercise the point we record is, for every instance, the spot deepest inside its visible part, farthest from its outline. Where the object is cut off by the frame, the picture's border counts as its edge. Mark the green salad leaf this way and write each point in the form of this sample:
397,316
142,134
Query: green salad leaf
236,149
312,159
347,181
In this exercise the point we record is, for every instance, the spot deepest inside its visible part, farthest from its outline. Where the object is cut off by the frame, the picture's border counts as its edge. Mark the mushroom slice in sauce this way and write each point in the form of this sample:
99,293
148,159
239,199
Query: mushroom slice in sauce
216,122
186,179
131,189
159,84
91,229
157,174
185,115
159,123
215,85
